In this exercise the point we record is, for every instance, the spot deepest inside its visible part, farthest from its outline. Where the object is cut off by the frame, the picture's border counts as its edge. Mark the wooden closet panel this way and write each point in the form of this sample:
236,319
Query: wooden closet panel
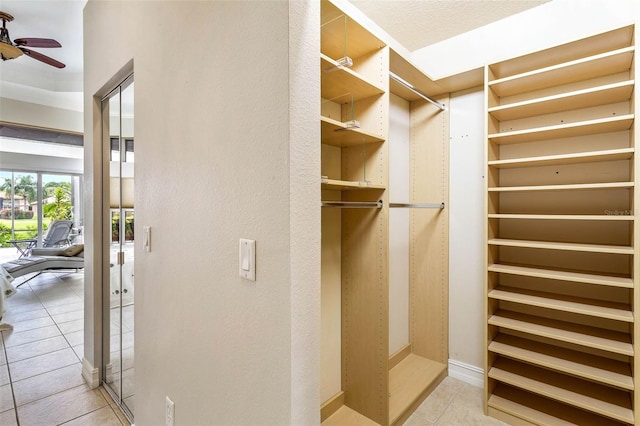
429,230
365,322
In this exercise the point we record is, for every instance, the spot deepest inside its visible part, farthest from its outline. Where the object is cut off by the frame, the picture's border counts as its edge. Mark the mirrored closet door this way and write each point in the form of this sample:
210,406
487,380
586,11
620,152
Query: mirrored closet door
118,244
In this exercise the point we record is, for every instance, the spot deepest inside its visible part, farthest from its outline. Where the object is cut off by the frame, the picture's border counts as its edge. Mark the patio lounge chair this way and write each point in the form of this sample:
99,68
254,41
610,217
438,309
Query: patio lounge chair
46,260
57,236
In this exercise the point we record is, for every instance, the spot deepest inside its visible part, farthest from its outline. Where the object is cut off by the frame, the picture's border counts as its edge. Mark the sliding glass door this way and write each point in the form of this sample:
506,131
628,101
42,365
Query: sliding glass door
30,201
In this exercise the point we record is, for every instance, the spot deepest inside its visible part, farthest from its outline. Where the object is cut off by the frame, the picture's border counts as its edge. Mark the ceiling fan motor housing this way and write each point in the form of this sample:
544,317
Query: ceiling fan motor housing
7,49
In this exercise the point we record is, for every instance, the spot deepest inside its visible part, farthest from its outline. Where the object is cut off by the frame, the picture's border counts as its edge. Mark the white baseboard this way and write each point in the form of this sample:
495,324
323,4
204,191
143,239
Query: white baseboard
90,374
466,372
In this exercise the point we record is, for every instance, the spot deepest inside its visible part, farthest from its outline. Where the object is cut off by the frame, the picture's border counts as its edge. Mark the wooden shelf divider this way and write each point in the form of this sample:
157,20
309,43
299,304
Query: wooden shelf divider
579,393
337,81
560,159
566,187
591,337
568,72
606,217
523,405
344,185
553,274
584,98
577,305
338,134
580,128
579,364
550,245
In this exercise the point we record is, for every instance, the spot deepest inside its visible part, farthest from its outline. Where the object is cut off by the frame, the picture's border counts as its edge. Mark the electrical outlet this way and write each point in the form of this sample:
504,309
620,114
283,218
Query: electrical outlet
170,409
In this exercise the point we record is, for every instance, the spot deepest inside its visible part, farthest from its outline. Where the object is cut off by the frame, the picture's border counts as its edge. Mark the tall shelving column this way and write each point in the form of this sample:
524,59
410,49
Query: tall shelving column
562,258
361,382
354,90
418,367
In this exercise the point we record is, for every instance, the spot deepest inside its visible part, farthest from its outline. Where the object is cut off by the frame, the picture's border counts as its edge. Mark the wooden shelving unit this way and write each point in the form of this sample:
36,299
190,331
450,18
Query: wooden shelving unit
362,384
354,168
336,133
564,159
559,131
562,259
552,245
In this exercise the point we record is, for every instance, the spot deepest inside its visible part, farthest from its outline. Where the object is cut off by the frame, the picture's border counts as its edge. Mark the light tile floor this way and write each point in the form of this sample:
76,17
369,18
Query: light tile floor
40,367
452,403
40,359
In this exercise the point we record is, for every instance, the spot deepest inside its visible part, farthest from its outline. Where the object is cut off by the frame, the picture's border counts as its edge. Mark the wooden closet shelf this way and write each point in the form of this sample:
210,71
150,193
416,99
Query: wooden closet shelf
542,411
607,63
551,245
342,36
562,275
344,185
589,396
611,217
580,128
559,159
559,302
580,364
346,416
343,85
585,98
335,133
592,337
405,69
566,187
409,380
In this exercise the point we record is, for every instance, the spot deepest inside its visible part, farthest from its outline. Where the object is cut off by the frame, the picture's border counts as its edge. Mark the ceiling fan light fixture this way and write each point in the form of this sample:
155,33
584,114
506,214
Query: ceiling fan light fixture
9,51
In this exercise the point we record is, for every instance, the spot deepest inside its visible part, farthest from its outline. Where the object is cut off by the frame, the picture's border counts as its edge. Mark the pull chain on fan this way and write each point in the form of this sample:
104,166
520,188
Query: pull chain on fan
11,50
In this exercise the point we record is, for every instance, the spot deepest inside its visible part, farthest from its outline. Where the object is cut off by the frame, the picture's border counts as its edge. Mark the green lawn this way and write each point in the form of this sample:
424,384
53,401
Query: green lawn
24,224
25,228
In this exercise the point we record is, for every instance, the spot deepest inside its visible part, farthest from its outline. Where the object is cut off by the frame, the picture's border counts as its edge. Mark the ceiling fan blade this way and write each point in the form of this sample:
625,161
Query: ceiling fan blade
37,42
42,58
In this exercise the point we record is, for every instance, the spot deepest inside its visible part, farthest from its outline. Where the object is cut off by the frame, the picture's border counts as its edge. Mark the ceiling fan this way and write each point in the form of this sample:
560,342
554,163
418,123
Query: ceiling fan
11,50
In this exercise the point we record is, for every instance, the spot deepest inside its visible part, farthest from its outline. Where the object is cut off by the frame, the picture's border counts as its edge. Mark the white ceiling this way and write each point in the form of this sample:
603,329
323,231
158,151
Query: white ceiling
57,19
420,23
414,23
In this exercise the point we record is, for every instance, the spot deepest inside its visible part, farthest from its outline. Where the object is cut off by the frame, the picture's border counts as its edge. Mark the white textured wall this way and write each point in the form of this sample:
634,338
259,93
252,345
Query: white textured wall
32,114
305,221
466,229
224,150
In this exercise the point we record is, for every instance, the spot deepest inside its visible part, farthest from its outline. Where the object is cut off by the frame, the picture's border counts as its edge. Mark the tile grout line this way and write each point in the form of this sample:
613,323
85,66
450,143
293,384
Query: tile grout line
13,395
46,309
54,321
448,406
68,345
40,374
89,412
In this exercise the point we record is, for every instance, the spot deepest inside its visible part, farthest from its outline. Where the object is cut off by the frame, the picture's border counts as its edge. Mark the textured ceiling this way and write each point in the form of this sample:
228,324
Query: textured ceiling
419,23
414,23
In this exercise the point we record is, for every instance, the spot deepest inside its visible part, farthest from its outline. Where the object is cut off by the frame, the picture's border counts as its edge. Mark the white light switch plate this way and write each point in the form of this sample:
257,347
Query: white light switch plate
146,238
247,259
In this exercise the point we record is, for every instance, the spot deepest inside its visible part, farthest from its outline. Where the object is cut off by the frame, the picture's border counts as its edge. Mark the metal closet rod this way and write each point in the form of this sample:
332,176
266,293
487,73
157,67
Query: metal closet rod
416,91
353,204
418,205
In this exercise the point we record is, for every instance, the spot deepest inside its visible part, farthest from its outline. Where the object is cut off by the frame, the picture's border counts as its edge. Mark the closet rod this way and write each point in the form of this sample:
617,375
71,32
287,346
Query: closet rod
353,204
418,205
416,91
